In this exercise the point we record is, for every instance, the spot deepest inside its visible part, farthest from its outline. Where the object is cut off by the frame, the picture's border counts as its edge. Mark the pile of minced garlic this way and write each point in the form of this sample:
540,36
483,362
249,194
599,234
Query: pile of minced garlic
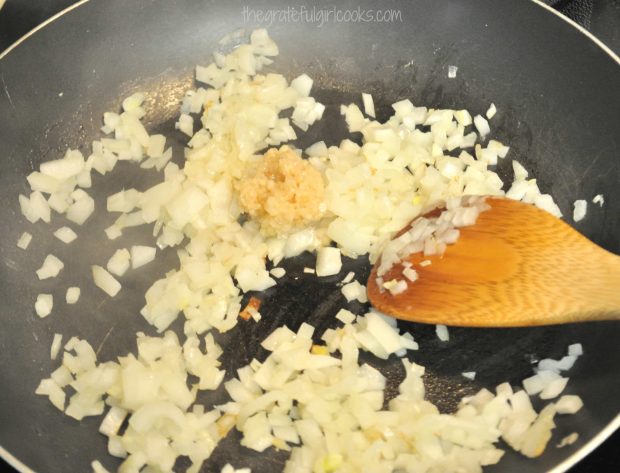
283,192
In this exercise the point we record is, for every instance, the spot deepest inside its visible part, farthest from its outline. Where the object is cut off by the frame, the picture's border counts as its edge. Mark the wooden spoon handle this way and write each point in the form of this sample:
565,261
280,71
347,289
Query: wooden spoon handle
592,292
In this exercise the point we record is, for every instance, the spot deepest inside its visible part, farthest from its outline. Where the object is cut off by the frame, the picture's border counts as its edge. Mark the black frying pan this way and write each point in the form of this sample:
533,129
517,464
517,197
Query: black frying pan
555,88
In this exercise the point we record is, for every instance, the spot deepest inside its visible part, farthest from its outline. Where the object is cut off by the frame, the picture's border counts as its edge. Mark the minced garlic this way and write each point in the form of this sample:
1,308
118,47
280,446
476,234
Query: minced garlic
283,192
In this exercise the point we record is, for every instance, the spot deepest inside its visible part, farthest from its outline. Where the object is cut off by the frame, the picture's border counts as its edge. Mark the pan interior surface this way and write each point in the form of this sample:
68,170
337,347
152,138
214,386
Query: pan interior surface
557,96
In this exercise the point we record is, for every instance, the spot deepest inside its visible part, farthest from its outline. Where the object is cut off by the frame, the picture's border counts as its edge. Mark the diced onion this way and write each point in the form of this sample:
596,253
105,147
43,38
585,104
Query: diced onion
73,295
442,333
112,422
569,404
50,268
482,125
24,240
44,304
277,272
491,111
345,316
105,281
81,209
355,291
328,261
369,105
65,234
56,344
554,388
119,262
302,85
568,440
56,395
141,255
580,209
576,349
186,124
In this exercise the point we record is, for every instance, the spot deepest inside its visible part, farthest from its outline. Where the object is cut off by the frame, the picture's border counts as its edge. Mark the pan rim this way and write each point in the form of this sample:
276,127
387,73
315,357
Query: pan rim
540,3
589,447
30,33
562,467
577,26
14,462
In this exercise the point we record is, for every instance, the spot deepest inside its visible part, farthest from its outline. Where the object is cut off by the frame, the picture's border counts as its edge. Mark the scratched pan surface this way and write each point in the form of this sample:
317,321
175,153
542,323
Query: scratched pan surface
558,101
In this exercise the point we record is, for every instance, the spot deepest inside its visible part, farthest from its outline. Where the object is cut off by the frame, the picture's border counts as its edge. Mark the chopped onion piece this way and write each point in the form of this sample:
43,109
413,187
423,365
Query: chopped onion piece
123,201
353,116
112,422
43,305
545,202
47,387
302,85
411,274
396,286
65,234
382,330
452,70
355,291
277,272
442,333
317,149
185,125
328,261
567,362
369,105
491,111
24,240
541,380
73,295
568,440
133,102
82,208
576,349
554,388
33,212
119,262
463,117
56,344
345,316
482,125
471,375
141,255
580,209
569,404
519,171
105,281
598,199
113,232
50,268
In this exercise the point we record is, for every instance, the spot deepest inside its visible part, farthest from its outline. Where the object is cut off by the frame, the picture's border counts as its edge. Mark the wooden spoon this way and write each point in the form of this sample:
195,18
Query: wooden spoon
517,266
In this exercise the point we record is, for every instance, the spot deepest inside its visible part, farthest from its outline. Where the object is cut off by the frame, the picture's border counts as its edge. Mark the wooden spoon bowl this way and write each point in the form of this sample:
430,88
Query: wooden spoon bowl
516,266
